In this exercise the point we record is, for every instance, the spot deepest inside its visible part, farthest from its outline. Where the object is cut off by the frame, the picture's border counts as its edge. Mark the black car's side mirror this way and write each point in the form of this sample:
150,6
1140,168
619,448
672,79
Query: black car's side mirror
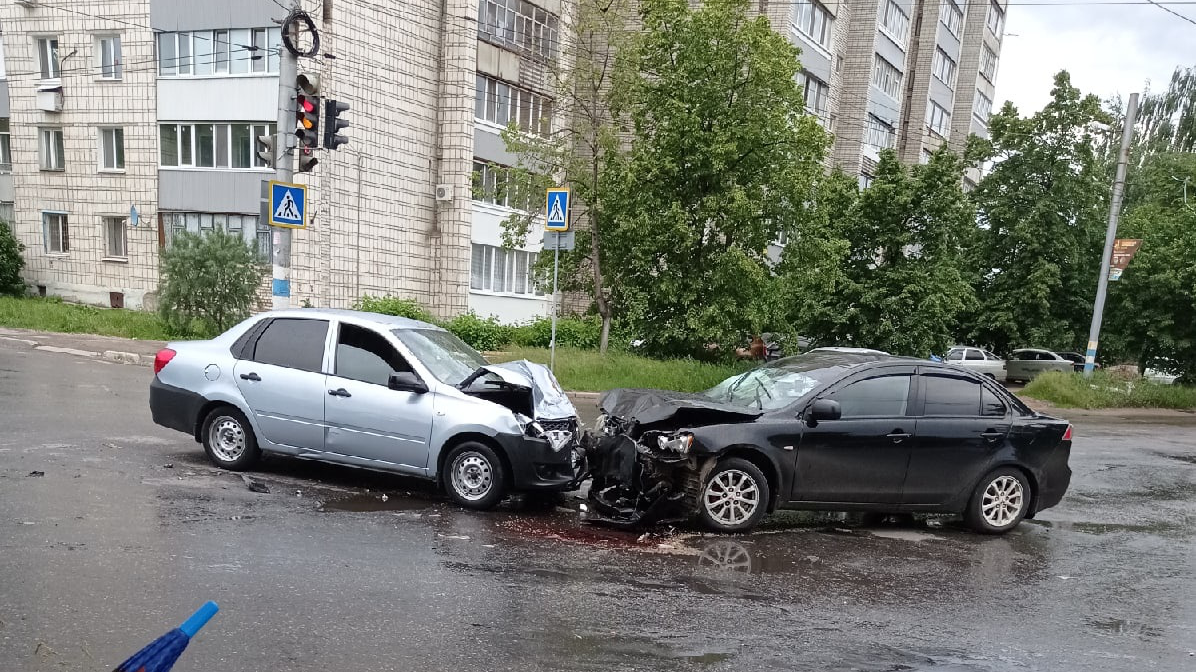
823,409
406,381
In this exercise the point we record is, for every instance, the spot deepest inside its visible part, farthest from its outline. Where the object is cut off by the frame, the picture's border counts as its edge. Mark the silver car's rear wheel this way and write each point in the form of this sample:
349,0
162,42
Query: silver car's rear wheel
228,439
474,476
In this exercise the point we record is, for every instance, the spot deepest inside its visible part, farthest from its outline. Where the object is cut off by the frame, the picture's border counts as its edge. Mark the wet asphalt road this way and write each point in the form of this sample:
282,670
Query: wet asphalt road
111,547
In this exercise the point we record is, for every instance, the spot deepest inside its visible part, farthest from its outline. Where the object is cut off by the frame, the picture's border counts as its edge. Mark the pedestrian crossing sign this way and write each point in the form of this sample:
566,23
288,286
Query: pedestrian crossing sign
288,205
556,209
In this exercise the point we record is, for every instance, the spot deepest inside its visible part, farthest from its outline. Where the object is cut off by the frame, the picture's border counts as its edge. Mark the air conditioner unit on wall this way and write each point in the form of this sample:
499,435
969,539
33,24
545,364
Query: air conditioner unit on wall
444,192
50,99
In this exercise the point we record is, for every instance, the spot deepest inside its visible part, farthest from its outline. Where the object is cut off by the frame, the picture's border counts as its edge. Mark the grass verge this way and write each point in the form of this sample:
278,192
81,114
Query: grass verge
54,315
1073,390
588,371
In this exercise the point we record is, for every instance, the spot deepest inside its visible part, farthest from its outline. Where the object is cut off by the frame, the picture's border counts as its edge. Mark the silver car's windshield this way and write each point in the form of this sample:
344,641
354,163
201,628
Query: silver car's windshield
445,355
779,384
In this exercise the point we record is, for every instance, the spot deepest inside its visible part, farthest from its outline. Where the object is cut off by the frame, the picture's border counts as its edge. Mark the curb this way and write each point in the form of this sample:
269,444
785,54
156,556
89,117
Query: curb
119,357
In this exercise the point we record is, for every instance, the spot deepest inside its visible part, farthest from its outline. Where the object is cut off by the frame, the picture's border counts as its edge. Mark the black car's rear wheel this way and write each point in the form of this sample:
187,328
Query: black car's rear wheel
734,497
999,502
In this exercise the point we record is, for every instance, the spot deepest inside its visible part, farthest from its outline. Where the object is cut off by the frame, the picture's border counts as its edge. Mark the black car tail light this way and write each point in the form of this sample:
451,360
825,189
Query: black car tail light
1067,434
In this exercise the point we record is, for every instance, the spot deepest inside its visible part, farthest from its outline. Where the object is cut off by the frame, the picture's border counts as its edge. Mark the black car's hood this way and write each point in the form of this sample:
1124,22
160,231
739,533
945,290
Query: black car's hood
647,407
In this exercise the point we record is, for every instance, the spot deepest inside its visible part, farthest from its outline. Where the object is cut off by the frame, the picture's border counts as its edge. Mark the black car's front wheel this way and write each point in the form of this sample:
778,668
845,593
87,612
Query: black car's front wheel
999,502
734,497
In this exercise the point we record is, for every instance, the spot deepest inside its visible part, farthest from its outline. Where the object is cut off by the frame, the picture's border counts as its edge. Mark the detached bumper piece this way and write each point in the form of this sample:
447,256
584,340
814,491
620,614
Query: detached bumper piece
632,486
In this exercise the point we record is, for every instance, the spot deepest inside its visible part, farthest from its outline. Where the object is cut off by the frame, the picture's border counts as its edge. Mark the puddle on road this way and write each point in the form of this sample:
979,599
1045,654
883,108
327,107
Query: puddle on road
1119,626
369,503
1189,459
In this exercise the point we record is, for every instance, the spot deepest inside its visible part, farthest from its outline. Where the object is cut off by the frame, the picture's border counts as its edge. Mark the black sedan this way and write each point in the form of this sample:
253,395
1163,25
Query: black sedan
830,431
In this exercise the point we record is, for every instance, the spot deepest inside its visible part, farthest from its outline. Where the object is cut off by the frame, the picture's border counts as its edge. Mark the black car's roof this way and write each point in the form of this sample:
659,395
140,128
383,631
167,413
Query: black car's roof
847,359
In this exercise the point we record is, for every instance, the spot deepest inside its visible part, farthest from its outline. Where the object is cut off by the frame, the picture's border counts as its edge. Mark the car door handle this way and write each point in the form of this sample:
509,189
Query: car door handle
992,435
339,392
251,376
898,436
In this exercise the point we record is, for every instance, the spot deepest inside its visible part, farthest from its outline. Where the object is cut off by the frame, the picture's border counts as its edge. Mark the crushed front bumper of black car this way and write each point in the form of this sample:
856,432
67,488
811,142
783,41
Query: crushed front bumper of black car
632,485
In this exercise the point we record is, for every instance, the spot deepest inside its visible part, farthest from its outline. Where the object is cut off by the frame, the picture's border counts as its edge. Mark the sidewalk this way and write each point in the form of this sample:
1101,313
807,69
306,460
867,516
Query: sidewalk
109,348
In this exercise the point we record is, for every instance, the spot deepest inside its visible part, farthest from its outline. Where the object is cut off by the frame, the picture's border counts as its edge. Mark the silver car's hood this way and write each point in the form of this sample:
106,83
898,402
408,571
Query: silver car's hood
549,400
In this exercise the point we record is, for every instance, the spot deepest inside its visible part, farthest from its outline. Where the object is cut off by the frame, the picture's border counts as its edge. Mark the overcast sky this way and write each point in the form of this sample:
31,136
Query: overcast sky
1107,49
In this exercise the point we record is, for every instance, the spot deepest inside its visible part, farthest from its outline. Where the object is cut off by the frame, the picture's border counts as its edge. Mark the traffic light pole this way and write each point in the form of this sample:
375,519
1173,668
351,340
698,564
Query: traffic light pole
284,146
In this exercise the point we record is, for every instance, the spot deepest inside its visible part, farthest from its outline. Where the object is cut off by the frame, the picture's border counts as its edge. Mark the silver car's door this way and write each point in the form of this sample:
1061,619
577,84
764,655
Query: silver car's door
282,382
1018,366
366,419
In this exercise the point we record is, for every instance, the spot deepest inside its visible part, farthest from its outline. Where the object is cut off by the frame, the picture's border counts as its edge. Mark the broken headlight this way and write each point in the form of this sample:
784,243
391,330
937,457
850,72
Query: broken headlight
534,430
679,443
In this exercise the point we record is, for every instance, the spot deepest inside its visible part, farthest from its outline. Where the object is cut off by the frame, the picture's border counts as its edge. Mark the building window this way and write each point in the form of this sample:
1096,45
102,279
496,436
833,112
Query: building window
944,67
246,226
5,146
865,180
55,232
497,269
988,63
982,107
212,145
3,69
996,18
812,20
880,134
951,16
926,154
816,94
108,59
518,24
501,103
501,185
47,57
50,148
886,77
895,22
112,149
203,53
116,245
937,118
7,211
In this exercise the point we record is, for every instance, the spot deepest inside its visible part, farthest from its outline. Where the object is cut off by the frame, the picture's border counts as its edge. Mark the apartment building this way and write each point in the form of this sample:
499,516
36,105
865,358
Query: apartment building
133,120
907,75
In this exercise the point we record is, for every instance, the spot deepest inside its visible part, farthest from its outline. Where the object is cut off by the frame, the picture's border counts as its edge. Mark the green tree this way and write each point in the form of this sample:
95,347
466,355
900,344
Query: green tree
1149,312
1042,210
209,282
583,153
11,261
722,159
902,286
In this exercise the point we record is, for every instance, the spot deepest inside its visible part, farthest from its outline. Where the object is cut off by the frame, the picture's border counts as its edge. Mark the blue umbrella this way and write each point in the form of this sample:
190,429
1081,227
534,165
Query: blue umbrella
160,654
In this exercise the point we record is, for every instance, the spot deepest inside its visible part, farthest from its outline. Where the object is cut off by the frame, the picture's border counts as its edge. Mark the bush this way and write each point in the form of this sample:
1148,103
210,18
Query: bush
209,282
571,332
1103,390
11,261
481,334
393,305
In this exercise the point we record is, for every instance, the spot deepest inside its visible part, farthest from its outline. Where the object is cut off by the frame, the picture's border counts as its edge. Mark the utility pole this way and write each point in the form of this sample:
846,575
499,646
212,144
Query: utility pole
1098,308
288,72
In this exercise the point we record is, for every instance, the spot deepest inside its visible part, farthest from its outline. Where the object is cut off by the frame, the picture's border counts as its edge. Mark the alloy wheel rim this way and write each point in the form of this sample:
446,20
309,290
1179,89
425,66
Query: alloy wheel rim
472,475
1003,501
731,497
227,438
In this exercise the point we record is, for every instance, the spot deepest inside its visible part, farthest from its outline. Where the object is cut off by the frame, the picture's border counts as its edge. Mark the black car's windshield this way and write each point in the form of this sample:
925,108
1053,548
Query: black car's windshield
445,355
779,384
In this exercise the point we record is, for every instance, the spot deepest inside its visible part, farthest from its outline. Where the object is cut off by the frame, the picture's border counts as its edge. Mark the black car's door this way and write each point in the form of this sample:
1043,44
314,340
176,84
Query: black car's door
961,424
861,457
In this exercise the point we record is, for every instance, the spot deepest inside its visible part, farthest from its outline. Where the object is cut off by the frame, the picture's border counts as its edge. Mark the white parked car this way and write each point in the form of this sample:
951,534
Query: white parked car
1027,363
978,360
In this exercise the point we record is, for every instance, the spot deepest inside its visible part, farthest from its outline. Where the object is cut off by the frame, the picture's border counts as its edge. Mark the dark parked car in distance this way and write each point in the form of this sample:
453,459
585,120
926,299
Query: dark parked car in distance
831,431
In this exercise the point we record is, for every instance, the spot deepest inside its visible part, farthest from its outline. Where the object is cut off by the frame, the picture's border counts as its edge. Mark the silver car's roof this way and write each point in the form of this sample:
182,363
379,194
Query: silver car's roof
375,319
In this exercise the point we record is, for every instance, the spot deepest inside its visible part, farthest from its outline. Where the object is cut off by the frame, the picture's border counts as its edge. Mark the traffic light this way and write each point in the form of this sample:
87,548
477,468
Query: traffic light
307,160
307,111
265,145
333,124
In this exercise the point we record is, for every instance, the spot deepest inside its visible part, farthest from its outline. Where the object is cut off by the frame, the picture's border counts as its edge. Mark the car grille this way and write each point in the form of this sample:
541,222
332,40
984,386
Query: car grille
561,433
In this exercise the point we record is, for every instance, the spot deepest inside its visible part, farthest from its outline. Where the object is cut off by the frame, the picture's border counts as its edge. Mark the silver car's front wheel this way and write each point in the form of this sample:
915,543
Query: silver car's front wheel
228,439
474,476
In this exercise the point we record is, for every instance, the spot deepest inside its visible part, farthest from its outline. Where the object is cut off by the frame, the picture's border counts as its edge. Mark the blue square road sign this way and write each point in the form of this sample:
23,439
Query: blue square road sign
556,210
288,205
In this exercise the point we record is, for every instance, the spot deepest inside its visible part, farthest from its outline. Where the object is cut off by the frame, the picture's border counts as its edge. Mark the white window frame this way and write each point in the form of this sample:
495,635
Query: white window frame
519,24
113,133
222,134
249,227
880,134
938,119
63,225
894,22
500,103
926,156
502,271
109,62
995,20
951,16
47,48
886,76
5,145
988,63
115,229
51,154
813,20
944,67
982,107
220,53
817,104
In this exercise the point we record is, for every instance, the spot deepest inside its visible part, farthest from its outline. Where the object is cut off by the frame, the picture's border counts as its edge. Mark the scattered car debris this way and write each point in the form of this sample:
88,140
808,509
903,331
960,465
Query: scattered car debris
384,498
255,486
37,474
168,465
